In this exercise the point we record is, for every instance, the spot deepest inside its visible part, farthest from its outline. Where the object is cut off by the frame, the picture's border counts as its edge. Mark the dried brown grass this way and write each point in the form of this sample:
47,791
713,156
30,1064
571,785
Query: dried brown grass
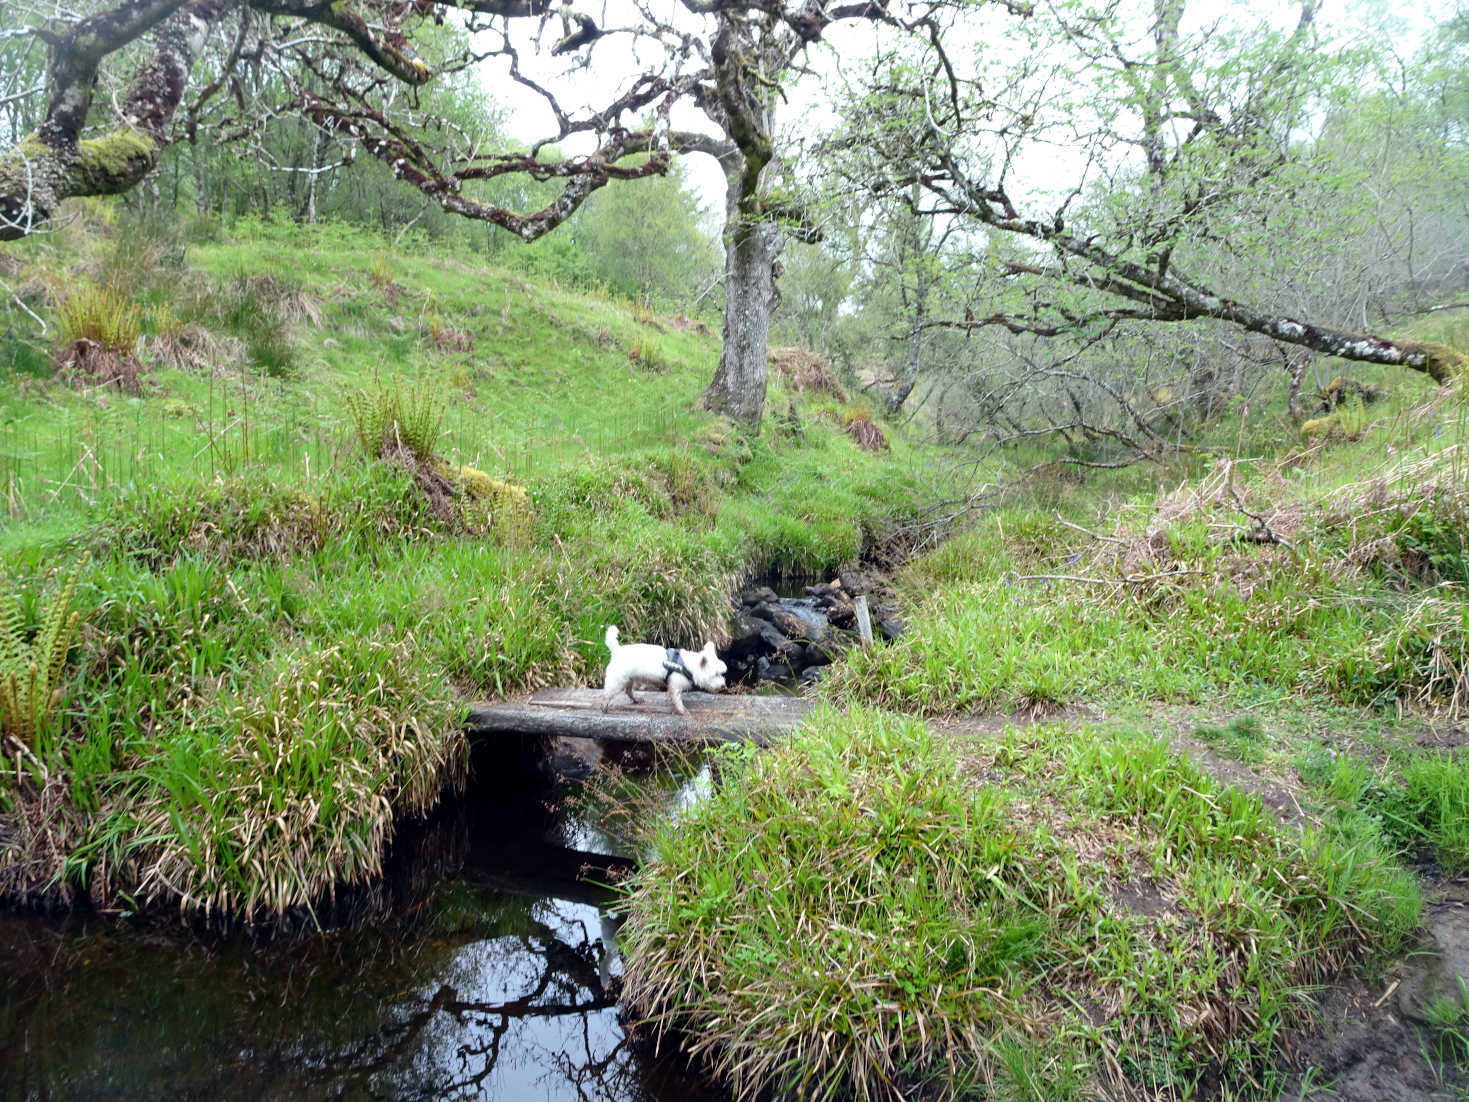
866,432
288,303
86,363
805,372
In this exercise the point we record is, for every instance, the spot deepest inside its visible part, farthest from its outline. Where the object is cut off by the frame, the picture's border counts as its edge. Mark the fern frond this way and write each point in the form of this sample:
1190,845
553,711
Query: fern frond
29,675
10,711
12,646
60,630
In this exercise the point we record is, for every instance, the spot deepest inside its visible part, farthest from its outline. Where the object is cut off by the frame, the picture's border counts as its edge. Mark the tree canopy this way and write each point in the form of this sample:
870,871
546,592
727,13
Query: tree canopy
1145,162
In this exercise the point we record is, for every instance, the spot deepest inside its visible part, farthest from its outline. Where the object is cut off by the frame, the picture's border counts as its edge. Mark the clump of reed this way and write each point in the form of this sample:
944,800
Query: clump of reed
646,354
870,911
263,311
286,788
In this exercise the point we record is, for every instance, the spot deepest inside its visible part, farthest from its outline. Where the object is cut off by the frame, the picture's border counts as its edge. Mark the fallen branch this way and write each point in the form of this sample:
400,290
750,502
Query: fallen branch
1089,532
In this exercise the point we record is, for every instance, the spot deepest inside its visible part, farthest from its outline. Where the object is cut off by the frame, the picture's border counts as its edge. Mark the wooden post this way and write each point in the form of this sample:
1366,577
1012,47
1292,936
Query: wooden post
864,621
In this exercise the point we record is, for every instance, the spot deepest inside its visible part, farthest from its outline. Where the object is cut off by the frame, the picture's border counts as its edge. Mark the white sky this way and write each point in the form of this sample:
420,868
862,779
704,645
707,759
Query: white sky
1393,24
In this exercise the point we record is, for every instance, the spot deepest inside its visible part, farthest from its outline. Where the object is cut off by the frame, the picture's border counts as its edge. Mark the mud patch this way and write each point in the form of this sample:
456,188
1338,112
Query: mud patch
1375,1043
1141,897
1448,737
1277,798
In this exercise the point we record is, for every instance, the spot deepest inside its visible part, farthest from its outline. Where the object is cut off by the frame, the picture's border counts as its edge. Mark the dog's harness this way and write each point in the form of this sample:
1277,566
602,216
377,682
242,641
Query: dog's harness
673,664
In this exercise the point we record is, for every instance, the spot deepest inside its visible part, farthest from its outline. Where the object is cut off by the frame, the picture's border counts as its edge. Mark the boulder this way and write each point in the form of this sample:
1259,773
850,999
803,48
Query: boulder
778,671
842,614
818,654
758,595
783,620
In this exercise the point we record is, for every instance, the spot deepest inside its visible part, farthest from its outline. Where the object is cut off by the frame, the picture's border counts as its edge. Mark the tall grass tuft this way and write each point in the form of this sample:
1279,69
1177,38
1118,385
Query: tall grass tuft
870,911
99,328
103,315
287,786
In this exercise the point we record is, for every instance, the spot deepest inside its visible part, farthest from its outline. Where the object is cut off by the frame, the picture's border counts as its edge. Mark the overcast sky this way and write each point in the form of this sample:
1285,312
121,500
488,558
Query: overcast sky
613,63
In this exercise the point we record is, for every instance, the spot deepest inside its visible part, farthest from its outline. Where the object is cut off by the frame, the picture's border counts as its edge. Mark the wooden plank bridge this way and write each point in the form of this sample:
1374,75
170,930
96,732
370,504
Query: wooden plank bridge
577,713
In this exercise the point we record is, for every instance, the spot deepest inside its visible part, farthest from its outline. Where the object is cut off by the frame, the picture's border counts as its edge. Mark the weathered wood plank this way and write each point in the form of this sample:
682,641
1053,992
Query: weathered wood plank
656,703
577,713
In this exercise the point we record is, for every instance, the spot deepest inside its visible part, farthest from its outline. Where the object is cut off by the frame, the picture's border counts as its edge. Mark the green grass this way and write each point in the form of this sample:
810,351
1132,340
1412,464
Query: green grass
870,909
1352,594
1415,801
278,633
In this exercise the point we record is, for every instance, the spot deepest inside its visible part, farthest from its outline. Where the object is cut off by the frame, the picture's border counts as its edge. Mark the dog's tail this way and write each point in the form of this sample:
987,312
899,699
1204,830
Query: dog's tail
612,643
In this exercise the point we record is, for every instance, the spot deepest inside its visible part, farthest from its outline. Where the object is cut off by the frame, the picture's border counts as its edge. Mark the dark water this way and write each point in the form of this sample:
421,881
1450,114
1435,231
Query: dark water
479,968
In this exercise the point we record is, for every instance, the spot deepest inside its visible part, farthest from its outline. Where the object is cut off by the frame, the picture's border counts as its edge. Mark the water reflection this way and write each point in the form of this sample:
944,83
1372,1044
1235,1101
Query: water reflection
467,983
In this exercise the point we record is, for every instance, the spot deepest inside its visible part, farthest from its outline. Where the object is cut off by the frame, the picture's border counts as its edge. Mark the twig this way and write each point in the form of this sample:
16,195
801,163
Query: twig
1390,989
1262,533
15,298
1066,578
1089,532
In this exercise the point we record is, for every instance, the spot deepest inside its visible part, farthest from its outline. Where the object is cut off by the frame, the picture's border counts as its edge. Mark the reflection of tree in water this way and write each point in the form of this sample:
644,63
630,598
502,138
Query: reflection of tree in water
474,968
568,984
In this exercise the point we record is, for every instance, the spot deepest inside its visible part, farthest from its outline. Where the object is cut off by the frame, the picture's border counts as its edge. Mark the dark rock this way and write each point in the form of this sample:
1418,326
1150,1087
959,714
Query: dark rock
778,671
842,616
854,582
826,591
790,625
818,654
891,628
812,674
754,638
758,595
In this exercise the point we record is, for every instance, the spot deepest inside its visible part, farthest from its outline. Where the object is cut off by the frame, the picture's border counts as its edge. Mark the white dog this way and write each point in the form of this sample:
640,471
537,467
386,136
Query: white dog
644,666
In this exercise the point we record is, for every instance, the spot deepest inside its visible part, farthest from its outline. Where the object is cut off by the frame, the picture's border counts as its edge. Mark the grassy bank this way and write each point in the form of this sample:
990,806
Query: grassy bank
875,911
277,626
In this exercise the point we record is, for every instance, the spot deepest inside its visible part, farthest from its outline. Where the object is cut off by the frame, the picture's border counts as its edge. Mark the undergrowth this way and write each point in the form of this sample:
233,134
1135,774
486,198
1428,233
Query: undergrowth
1232,587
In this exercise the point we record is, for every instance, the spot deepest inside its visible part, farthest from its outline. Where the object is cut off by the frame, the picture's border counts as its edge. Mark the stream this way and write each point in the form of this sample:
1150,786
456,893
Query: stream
478,967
